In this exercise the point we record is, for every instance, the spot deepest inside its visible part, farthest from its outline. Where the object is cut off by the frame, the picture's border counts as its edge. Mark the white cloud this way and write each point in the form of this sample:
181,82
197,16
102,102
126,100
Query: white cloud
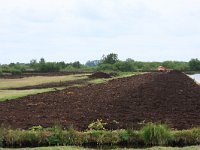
86,29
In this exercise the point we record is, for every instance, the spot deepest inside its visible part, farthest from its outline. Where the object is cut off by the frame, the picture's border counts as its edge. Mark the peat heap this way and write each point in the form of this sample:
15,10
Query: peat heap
97,75
171,98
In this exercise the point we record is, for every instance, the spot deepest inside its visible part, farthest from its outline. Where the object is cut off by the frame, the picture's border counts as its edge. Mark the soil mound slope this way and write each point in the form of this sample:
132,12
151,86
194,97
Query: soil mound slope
100,75
171,98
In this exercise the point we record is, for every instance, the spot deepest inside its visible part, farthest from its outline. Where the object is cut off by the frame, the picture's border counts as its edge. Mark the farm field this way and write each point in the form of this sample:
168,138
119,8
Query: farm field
121,103
15,87
12,94
127,101
36,80
19,87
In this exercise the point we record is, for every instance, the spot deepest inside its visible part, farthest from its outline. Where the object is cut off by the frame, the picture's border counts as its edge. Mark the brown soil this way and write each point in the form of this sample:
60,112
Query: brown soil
97,75
172,98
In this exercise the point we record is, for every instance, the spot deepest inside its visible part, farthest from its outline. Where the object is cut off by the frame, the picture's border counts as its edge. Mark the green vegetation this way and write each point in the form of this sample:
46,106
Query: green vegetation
108,62
81,148
149,135
13,94
7,94
194,64
156,134
36,80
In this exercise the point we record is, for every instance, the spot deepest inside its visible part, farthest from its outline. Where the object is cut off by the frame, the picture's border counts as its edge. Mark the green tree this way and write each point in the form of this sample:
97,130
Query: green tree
110,59
194,64
124,66
76,64
42,61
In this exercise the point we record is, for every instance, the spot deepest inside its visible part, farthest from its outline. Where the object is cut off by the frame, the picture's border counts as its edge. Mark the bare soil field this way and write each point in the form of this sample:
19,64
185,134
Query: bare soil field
171,98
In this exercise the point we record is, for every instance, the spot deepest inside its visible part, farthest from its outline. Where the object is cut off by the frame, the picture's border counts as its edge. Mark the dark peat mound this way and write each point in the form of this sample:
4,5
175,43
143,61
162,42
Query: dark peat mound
97,75
171,98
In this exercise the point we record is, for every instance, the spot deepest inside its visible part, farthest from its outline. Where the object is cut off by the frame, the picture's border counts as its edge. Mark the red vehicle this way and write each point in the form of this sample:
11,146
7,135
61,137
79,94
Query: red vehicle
162,69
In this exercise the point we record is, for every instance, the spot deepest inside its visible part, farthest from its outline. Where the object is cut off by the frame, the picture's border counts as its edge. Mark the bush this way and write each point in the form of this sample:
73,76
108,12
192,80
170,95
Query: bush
48,67
155,134
73,137
97,125
15,71
1,137
57,137
124,66
187,137
105,67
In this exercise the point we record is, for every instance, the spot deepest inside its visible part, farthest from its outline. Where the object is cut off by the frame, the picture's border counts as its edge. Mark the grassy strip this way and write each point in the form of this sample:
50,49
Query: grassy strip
150,135
13,94
81,148
36,80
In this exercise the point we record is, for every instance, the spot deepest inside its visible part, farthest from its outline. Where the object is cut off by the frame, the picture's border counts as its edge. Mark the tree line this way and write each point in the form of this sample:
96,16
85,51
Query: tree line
108,62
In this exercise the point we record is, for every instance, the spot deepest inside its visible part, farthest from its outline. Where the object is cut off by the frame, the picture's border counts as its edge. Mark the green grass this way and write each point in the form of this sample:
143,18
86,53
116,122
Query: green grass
81,148
12,94
36,80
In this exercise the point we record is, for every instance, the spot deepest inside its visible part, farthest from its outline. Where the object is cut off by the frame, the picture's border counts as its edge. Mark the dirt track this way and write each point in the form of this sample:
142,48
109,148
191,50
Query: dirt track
172,98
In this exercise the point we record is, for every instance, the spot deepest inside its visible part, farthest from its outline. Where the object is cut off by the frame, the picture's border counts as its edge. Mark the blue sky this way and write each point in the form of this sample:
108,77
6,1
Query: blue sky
70,30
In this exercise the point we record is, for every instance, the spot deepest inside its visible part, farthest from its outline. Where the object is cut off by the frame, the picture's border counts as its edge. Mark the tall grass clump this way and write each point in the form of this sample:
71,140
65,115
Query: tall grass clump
186,137
57,137
155,134
1,137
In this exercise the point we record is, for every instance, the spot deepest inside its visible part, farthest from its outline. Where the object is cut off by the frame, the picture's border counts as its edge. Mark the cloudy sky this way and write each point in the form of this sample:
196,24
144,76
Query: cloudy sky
70,30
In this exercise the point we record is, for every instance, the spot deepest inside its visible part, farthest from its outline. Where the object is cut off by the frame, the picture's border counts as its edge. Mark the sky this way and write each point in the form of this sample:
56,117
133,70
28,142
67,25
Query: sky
81,30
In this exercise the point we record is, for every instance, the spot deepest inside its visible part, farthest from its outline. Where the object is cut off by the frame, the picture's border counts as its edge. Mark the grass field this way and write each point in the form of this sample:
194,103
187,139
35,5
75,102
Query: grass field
12,94
80,148
36,80
6,94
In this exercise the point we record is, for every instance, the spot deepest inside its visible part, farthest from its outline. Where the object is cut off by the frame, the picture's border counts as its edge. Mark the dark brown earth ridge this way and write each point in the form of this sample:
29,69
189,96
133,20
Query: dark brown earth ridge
171,98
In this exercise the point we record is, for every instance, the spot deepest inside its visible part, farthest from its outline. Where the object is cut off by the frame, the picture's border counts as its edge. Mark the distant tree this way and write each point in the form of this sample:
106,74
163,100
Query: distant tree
129,60
76,64
49,67
105,67
124,66
61,64
110,59
92,63
194,64
11,64
33,63
42,61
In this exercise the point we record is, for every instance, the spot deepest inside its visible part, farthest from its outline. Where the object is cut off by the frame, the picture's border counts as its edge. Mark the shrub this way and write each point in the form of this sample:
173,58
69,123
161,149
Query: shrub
155,134
124,66
57,137
97,125
73,137
49,67
1,137
187,137
134,138
36,128
15,71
